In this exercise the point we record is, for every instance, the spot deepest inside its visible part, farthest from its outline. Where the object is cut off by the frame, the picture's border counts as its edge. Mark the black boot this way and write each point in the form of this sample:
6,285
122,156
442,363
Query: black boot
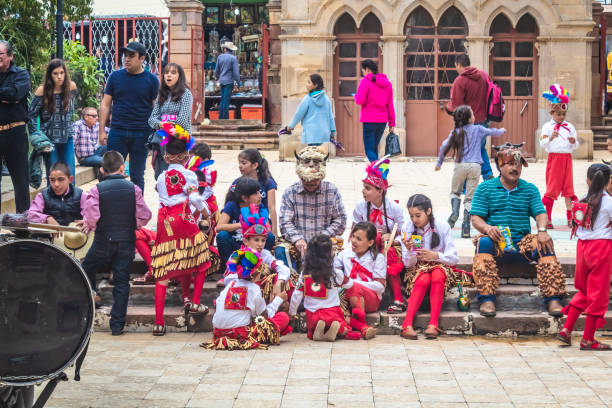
465,227
455,205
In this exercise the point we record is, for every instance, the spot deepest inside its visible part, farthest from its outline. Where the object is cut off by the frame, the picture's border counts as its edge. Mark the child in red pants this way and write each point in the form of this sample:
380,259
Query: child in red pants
384,213
242,320
560,140
593,261
320,285
368,270
429,262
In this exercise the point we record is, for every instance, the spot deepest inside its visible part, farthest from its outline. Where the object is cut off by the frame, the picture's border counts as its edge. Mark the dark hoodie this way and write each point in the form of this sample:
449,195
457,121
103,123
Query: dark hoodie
470,88
376,100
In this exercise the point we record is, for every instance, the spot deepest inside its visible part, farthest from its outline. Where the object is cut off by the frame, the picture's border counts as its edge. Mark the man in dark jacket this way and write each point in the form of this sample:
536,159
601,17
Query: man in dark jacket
14,90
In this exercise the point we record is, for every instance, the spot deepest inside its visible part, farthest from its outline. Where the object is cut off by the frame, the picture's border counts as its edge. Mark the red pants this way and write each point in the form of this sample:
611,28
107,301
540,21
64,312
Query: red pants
592,279
433,280
281,321
370,298
328,315
559,176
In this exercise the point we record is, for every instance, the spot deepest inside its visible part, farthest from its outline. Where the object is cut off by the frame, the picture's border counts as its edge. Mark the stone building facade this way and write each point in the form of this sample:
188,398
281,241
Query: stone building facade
525,44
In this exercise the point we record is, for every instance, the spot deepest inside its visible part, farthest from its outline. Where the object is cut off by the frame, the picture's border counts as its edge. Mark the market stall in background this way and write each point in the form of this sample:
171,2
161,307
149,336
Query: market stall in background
244,24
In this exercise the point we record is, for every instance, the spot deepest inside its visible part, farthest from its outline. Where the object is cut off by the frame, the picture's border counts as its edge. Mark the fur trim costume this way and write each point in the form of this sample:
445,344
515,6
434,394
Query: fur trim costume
307,171
453,275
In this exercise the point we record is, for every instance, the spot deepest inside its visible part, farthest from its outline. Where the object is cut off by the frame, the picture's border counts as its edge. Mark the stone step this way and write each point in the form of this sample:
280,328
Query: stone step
602,128
234,134
600,145
223,143
142,319
509,271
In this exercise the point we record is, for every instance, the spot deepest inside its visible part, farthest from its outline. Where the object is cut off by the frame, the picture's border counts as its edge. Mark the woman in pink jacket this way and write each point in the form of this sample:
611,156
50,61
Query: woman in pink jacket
375,95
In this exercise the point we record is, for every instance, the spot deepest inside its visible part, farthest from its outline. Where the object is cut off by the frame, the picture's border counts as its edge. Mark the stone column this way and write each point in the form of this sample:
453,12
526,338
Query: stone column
393,66
184,14
273,105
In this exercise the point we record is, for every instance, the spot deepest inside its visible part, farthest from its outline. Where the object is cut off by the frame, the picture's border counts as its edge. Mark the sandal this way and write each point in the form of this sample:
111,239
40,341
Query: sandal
594,345
564,337
159,330
368,332
409,333
396,307
145,279
198,308
432,332
186,304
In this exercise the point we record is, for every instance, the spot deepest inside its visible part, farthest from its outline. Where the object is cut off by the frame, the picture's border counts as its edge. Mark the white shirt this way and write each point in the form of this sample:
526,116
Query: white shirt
255,305
377,267
601,224
559,144
190,189
395,215
315,300
447,253
208,191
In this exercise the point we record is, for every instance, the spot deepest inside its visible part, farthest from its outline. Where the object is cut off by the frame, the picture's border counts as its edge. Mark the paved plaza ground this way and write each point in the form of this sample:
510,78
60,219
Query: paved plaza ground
138,370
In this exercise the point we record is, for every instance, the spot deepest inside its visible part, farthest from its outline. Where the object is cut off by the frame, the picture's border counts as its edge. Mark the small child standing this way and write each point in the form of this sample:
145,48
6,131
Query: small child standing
560,140
201,159
60,203
464,142
593,261
181,249
320,285
242,321
368,269
114,209
384,213
430,263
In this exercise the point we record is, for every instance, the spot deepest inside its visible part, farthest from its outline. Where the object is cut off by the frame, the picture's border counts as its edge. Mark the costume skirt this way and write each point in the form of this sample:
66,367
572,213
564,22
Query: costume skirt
453,275
258,335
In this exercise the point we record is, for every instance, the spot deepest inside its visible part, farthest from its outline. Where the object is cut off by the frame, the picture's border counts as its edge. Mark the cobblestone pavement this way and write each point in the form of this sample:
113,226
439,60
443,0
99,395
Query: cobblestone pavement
406,178
137,370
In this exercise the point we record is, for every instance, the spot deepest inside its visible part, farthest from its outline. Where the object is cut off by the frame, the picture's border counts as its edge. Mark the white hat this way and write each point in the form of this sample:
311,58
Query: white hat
75,243
229,45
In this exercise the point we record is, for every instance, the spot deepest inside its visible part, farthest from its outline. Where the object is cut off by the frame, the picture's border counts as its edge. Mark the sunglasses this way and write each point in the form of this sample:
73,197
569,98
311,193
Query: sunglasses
90,115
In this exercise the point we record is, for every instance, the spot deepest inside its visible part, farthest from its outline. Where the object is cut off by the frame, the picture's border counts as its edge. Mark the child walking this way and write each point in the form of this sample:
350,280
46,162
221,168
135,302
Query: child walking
560,140
384,213
593,261
319,285
464,143
114,209
181,249
242,320
367,267
429,253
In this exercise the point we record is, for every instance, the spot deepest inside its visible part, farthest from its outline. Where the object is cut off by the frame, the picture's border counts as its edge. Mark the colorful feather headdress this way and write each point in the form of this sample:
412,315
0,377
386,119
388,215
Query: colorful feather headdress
253,221
558,96
243,262
377,172
171,130
197,164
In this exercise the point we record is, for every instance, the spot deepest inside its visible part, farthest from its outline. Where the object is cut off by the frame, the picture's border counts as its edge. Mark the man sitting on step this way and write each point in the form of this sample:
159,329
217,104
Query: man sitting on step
501,212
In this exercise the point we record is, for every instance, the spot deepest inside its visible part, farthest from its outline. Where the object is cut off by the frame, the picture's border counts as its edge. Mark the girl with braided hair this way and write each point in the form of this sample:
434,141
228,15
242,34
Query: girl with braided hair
593,260
430,261
464,144
384,213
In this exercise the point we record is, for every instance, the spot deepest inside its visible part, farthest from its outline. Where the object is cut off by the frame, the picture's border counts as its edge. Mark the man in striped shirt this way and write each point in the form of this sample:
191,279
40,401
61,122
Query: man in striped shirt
508,201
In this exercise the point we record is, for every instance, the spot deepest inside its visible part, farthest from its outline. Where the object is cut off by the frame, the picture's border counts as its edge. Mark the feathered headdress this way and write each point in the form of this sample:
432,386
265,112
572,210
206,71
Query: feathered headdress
253,221
377,172
172,130
558,96
197,164
243,262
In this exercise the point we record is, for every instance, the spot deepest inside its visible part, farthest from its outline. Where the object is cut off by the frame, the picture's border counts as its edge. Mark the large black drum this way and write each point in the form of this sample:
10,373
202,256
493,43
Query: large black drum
46,312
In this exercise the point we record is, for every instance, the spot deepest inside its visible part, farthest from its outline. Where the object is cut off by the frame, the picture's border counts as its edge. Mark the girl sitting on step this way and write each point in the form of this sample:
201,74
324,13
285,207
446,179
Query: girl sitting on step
384,213
429,253
367,267
593,260
319,285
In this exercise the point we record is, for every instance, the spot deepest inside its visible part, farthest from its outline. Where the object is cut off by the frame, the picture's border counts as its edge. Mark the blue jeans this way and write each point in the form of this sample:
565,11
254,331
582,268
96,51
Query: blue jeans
372,133
226,244
119,256
485,167
226,95
486,246
280,254
63,152
132,143
95,160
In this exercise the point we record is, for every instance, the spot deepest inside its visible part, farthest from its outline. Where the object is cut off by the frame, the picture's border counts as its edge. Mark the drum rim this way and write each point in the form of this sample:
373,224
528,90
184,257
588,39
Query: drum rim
35,380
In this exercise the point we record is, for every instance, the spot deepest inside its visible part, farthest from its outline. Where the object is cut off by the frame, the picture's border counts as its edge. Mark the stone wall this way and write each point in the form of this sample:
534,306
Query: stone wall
565,48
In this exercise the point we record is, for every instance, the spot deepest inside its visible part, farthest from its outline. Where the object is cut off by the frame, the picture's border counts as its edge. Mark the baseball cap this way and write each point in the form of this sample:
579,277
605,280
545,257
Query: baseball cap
134,46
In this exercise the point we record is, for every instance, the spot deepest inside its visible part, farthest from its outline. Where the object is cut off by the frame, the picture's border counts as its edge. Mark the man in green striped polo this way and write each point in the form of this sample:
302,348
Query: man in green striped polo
508,201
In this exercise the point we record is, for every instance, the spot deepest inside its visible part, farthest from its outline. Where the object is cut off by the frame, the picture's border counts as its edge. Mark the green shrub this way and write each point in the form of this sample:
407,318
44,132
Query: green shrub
85,72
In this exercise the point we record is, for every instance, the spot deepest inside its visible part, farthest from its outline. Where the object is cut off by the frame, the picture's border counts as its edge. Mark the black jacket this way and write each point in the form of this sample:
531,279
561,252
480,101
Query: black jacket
117,210
14,89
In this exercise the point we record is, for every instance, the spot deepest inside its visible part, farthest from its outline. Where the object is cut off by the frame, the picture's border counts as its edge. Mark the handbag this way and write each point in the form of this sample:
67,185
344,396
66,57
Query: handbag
154,141
392,145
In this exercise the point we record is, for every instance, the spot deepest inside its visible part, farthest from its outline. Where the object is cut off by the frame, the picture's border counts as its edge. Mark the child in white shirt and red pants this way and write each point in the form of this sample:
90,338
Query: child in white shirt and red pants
560,140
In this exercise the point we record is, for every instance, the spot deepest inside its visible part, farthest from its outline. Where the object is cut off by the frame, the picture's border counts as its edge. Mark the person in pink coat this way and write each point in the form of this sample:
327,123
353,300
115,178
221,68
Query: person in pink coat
375,96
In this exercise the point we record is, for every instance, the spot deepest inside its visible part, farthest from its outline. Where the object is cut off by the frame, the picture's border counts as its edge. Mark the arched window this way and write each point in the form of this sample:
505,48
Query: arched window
370,25
345,25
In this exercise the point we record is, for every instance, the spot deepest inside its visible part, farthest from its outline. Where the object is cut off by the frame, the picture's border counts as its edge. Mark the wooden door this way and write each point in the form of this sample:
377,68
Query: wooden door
429,73
354,46
514,67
